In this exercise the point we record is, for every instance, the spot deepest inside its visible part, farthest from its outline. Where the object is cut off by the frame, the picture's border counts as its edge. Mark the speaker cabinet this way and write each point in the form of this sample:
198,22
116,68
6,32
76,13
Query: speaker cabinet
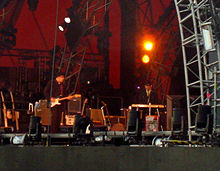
97,116
74,105
44,113
133,123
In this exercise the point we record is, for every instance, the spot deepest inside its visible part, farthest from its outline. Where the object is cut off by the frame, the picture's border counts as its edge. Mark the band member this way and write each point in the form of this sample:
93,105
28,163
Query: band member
147,95
148,91
58,91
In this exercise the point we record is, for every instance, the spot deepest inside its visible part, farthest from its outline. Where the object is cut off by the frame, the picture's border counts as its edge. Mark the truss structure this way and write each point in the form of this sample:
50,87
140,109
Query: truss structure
40,61
90,14
201,65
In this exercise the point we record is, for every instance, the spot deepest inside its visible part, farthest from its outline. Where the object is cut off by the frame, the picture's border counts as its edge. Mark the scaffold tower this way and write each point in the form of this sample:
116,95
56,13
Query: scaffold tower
200,49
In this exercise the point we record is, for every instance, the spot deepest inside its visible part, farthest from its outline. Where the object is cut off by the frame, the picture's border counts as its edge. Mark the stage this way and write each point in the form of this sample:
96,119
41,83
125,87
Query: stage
108,158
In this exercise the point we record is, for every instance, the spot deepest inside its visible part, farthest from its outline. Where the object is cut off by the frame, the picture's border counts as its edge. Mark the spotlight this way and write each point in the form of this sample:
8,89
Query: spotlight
145,59
67,20
148,46
207,36
61,27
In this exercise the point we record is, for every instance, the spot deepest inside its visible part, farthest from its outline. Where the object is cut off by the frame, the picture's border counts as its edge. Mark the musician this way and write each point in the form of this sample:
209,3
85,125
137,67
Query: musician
147,95
58,90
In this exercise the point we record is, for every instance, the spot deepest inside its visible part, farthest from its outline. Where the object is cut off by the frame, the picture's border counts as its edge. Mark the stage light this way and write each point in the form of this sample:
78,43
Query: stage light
148,46
145,59
208,36
61,27
67,20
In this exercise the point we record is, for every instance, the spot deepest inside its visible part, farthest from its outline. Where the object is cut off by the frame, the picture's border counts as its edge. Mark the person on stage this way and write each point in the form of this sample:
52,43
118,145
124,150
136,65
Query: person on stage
58,91
146,95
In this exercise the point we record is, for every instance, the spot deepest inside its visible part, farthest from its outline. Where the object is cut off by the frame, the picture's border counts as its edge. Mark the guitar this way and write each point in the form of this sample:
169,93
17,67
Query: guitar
4,110
105,106
9,113
83,108
57,100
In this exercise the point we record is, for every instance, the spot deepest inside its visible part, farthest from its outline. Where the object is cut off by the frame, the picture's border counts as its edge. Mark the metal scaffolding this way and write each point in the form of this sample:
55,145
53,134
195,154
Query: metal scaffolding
90,15
201,65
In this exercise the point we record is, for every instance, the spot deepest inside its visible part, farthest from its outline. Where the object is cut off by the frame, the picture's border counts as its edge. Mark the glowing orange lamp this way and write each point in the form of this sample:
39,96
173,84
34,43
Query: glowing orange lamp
148,46
145,59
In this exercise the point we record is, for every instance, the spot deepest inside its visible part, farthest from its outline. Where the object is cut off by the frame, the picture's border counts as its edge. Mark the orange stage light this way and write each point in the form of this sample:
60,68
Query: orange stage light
145,59
148,46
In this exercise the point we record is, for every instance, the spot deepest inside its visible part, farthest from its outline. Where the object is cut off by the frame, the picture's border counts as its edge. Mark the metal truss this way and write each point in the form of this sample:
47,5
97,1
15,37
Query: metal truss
41,60
200,67
91,14
9,13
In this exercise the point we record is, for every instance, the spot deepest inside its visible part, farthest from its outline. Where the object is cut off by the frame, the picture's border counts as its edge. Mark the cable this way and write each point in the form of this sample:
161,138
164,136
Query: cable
52,74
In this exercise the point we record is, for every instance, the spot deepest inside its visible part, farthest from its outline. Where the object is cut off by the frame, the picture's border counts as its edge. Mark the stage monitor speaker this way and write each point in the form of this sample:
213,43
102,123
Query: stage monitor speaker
74,105
133,123
204,119
177,123
34,124
44,112
96,115
174,101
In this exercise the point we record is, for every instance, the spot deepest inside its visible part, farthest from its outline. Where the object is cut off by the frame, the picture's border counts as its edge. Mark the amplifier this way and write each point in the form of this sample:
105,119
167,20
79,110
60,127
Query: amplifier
151,123
44,113
74,105
70,119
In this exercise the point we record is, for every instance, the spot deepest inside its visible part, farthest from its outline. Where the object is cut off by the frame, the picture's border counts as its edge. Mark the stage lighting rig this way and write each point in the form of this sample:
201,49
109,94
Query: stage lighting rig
62,27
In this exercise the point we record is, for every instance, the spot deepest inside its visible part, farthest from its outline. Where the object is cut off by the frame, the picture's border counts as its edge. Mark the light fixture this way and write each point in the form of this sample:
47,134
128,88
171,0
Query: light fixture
145,59
61,28
207,36
148,45
67,20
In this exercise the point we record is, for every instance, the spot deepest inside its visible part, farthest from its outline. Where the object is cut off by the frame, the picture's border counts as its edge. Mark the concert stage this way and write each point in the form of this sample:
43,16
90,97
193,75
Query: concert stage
108,158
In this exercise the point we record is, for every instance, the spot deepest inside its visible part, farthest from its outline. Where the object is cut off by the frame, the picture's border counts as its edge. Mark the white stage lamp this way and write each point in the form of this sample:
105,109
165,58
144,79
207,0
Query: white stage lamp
207,36
67,20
